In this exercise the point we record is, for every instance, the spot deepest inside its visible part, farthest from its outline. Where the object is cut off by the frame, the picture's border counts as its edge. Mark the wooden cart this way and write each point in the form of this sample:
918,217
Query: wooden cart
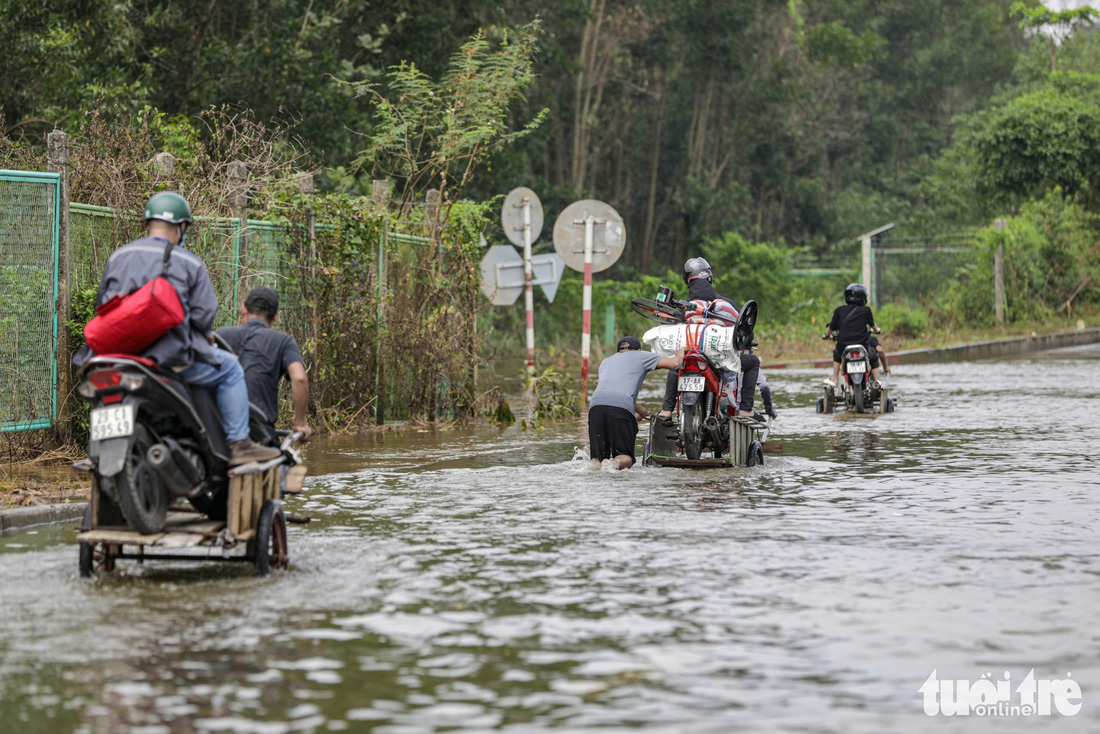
254,530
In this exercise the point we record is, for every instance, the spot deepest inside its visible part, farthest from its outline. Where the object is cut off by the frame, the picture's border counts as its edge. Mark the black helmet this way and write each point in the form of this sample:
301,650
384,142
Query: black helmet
856,294
697,267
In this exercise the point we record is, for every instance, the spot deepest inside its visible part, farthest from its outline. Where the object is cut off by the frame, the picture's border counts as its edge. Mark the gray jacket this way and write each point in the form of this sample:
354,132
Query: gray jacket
132,266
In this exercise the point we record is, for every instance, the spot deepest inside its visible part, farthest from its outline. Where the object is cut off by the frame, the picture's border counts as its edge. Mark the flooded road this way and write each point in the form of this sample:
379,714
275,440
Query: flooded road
482,581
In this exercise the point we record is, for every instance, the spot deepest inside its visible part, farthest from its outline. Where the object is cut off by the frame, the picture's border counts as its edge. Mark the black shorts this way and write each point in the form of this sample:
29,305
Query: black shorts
611,432
838,352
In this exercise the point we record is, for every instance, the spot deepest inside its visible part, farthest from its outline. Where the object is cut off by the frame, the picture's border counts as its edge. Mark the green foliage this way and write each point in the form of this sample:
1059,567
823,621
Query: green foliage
394,315
83,309
744,270
554,399
834,43
901,321
437,134
1040,140
1051,259
1057,25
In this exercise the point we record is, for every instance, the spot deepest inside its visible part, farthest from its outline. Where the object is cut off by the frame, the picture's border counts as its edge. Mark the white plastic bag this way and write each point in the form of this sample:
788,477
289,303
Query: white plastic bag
715,342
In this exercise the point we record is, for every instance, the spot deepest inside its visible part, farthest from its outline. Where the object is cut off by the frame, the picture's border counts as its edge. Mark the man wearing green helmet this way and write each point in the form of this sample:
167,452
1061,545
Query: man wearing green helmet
185,349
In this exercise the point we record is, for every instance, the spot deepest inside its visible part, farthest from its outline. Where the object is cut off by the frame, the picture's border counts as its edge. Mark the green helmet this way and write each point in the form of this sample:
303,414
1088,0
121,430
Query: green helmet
168,207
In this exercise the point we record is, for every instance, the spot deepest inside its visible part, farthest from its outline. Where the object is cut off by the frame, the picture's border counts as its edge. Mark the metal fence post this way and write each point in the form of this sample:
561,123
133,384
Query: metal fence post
57,143
238,201
380,191
999,271
865,244
305,187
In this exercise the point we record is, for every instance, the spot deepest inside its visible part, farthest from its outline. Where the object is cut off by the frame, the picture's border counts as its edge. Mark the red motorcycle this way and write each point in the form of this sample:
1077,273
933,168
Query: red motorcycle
701,417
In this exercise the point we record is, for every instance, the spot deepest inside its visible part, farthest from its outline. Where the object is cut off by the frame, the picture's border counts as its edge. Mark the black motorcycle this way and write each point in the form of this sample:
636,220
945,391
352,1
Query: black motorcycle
856,390
153,439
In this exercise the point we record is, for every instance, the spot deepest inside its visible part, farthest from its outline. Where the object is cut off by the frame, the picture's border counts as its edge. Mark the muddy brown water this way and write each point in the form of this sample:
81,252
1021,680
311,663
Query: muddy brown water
484,580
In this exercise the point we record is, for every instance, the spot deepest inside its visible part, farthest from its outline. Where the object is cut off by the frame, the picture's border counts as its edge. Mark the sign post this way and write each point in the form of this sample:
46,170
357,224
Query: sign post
528,293
586,306
523,230
590,250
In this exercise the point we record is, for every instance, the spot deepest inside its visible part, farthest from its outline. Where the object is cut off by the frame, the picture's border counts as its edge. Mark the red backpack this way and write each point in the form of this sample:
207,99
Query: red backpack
127,324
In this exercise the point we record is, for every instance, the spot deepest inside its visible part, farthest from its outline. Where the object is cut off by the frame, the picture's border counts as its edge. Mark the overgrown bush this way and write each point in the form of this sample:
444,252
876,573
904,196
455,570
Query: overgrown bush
554,399
901,321
396,340
1051,262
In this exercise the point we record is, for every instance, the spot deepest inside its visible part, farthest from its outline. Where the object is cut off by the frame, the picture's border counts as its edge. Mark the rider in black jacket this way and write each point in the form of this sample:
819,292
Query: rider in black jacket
700,281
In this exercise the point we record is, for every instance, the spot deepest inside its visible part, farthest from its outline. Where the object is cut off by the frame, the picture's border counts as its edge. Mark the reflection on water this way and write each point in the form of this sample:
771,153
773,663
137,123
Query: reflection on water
483,580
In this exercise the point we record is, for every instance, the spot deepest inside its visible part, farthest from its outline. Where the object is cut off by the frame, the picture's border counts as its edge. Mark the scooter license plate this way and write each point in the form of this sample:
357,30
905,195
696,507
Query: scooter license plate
113,422
854,367
692,383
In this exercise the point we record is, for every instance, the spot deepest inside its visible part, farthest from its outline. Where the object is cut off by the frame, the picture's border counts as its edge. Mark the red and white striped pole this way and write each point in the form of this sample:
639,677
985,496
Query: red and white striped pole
528,294
586,329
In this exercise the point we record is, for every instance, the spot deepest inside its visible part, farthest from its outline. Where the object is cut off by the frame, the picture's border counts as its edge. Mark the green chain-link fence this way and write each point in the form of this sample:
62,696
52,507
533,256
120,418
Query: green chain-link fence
238,258
29,243
29,227
915,270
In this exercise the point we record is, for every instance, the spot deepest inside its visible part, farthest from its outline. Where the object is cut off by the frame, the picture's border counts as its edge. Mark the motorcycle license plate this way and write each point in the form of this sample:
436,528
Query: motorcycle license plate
692,383
854,367
113,422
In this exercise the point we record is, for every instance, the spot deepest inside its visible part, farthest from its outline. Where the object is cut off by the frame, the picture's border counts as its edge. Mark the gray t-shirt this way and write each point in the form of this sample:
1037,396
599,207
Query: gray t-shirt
620,378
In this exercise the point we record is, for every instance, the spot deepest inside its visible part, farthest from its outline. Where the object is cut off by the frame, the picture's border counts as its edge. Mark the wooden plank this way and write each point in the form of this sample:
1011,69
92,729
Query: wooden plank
205,527
272,483
257,498
179,540
129,537
690,463
247,489
232,514
176,517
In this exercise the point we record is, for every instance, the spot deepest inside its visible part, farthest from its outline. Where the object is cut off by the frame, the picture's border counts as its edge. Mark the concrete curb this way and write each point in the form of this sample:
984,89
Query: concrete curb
969,352
20,518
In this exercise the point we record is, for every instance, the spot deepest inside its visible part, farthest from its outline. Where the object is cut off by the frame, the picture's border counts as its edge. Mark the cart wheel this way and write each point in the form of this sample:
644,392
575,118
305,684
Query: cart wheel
830,401
889,405
756,454
645,454
86,561
271,552
821,404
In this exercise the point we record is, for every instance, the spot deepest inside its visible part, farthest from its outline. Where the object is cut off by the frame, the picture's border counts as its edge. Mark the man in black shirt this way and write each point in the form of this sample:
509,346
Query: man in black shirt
266,356
851,323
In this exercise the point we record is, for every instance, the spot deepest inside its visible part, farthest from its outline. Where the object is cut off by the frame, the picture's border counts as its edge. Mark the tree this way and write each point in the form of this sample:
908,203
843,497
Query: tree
430,133
1040,140
1056,25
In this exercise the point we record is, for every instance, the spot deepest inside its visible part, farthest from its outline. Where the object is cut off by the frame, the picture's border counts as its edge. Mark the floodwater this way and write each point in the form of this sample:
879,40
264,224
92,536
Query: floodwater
483,580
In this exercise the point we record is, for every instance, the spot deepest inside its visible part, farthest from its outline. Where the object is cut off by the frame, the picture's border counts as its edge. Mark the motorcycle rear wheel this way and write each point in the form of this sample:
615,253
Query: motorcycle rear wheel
857,398
143,497
692,432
